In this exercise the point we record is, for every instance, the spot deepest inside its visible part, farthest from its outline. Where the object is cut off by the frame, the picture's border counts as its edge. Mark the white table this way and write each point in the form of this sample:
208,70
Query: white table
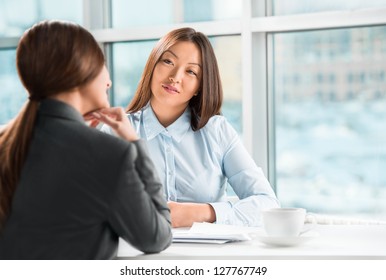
334,242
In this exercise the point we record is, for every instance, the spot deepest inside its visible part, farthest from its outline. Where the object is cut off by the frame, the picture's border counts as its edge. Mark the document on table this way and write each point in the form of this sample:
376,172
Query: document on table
211,233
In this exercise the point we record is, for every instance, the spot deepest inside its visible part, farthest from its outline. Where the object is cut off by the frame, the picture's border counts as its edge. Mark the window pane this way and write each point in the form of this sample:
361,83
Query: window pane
228,53
154,12
18,15
129,60
285,7
14,24
12,93
330,114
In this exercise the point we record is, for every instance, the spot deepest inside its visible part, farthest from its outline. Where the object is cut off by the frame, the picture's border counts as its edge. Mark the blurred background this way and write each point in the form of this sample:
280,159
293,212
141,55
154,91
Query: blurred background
304,82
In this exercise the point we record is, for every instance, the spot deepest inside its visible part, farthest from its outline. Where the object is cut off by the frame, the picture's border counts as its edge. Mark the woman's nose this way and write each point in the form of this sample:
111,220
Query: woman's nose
176,75
174,80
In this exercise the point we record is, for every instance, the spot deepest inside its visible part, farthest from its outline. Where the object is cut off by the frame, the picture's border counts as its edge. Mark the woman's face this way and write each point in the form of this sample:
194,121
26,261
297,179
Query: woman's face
95,93
177,76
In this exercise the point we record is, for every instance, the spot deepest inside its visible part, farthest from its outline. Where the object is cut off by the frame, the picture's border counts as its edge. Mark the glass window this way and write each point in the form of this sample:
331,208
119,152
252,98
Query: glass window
129,59
285,7
31,11
155,12
128,62
13,24
228,53
330,141
12,93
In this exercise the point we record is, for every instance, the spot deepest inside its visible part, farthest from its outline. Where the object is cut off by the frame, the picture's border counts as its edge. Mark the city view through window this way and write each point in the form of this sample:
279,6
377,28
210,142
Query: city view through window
330,113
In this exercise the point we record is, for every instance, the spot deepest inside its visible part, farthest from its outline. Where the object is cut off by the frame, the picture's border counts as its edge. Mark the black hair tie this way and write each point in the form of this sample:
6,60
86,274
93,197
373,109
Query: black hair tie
34,98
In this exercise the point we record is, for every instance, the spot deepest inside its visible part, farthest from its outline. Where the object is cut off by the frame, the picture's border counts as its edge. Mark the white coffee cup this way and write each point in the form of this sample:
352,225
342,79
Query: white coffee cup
284,222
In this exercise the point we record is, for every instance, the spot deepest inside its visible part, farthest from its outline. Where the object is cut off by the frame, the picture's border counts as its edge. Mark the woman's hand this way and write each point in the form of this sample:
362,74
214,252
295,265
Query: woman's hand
185,214
91,120
116,118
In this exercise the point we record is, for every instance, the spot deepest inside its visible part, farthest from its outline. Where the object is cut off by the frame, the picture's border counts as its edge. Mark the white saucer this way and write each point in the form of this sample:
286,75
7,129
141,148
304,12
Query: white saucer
287,241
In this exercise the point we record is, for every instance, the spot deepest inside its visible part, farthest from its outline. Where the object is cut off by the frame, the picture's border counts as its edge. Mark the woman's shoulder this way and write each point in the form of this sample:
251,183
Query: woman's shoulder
218,124
220,130
106,138
135,116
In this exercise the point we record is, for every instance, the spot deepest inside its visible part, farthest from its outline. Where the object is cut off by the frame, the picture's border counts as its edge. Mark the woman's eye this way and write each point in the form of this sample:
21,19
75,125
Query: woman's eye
192,72
167,61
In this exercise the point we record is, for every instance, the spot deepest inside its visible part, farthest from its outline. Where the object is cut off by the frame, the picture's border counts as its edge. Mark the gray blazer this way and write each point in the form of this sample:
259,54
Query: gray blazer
81,189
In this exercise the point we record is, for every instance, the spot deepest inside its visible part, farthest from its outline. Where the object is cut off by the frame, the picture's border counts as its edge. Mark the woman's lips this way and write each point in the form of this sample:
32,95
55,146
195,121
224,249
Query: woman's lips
170,89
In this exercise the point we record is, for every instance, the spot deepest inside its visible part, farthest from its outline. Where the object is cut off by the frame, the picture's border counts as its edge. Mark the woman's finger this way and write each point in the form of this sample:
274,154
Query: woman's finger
91,120
116,112
105,119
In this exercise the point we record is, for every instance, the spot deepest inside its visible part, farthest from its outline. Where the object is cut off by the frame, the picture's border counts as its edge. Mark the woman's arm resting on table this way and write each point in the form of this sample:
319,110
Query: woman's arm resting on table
185,214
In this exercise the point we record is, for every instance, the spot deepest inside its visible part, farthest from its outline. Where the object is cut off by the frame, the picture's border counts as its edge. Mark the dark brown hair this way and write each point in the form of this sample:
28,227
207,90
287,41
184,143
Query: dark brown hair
209,99
51,57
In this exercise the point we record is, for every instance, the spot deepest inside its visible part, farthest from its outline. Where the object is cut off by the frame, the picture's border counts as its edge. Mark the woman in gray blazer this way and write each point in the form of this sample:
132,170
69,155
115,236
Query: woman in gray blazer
68,191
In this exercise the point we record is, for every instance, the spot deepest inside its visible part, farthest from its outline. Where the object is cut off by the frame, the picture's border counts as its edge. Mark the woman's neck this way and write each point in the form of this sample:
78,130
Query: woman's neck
74,99
167,115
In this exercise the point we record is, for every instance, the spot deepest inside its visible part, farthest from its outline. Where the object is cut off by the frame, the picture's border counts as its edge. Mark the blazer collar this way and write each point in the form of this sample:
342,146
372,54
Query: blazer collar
55,108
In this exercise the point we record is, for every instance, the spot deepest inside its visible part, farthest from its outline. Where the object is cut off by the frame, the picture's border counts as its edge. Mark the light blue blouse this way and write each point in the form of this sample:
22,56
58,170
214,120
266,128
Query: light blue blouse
196,166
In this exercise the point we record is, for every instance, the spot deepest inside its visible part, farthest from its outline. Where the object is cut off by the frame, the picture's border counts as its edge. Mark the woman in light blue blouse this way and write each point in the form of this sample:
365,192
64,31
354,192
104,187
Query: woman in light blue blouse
176,108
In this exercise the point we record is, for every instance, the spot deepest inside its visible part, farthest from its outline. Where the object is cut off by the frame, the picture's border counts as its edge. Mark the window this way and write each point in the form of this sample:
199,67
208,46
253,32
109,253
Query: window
228,53
285,7
330,151
12,93
14,24
128,62
156,12
31,11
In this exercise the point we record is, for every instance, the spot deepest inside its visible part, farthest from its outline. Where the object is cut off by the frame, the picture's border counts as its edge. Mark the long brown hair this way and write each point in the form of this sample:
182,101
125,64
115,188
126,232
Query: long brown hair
51,57
209,99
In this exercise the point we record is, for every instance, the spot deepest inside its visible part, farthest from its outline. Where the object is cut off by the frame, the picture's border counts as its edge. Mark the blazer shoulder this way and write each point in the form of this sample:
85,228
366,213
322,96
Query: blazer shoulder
107,146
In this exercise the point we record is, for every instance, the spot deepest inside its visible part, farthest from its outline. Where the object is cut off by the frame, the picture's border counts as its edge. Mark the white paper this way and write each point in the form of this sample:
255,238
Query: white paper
212,233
